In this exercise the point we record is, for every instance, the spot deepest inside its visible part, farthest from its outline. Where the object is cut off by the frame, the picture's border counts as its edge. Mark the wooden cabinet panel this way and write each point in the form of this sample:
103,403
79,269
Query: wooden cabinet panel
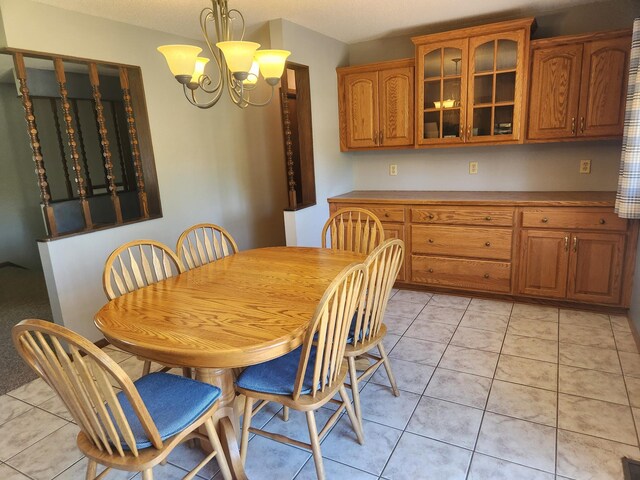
361,98
595,267
461,273
396,106
492,243
543,263
463,216
605,73
393,230
555,91
573,218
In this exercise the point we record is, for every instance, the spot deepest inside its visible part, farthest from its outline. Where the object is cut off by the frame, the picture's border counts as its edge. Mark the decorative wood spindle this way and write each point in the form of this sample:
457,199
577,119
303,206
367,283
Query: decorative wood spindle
63,155
123,167
104,141
66,110
83,151
133,139
293,201
34,139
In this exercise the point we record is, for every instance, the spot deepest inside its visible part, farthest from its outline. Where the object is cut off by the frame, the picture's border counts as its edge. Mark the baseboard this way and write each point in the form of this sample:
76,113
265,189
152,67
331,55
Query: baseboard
11,264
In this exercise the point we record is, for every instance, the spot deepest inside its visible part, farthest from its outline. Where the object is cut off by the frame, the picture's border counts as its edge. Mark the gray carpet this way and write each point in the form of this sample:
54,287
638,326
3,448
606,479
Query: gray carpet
23,294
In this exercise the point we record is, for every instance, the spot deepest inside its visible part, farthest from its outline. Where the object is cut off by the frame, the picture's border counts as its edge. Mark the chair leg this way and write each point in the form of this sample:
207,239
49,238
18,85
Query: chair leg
246,423
186,372
147,474
215,442
285,414
387,367
146,367
92,468
315,444
353,378
357,427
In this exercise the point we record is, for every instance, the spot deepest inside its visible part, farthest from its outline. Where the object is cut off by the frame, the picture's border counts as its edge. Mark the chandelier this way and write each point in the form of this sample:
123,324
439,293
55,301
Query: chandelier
238,63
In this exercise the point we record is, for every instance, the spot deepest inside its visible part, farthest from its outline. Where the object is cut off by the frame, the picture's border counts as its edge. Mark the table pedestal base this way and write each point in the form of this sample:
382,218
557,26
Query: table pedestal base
227,417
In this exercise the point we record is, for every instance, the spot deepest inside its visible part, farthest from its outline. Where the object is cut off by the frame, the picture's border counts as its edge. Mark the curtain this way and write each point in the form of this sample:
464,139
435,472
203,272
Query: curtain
628,196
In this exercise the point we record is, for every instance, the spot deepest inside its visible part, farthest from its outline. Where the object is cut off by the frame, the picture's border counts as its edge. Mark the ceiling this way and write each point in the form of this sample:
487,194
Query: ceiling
349,21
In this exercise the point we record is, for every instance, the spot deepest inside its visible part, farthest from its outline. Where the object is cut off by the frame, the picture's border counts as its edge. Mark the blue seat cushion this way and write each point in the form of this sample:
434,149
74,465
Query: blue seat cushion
352,329
173,402
278,376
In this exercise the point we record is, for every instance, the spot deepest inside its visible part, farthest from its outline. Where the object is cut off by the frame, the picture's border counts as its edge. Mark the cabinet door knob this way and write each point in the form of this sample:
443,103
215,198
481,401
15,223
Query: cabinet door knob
431,240
431,216
487,244
602,221
488,218
486,275
545,220
431,270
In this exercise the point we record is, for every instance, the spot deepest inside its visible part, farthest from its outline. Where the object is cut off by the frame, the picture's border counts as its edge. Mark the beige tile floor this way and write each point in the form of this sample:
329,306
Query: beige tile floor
489,390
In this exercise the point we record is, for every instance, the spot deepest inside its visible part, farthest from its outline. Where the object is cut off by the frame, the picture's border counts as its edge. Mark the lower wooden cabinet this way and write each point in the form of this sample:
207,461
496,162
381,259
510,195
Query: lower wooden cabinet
568,247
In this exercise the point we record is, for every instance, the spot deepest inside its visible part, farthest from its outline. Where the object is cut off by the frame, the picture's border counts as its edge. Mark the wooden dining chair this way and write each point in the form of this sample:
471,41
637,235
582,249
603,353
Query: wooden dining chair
368,329
138,264
310,376
131,429
354,229
204,243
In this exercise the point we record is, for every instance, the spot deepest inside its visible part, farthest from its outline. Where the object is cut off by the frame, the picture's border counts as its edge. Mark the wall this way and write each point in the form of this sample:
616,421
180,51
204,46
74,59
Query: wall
333,170
222,165
20,218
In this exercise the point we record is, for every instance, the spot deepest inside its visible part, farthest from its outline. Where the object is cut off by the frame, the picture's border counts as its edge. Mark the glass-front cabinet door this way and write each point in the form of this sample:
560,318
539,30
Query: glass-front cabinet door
496,66
442,93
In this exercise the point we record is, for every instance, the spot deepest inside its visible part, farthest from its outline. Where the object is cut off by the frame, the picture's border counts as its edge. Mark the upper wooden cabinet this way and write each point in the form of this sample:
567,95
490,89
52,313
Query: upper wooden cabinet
471,84
578,86
375,104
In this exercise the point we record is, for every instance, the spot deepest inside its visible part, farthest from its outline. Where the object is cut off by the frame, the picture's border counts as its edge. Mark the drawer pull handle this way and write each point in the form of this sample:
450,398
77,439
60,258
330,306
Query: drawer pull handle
487,244
431,216
486,275
602,221
431,270
575,244
387,215
431,240
545,220
488,218
566,244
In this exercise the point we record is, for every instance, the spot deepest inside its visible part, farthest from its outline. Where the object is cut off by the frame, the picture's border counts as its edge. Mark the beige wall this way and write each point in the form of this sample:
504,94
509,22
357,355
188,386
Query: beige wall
222,165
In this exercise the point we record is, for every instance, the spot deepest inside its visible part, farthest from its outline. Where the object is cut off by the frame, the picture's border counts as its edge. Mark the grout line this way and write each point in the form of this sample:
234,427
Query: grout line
555,461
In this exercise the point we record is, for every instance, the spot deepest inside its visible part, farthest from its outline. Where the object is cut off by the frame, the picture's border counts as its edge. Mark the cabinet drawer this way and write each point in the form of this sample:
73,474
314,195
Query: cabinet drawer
494,243
572,218
463,216
461,273
383,212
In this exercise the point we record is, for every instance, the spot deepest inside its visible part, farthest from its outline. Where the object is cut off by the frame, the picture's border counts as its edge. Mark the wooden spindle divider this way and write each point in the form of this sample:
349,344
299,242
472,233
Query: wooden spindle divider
75,157
133,139
123,167
83,151
34,140
293,200
104,140
63,155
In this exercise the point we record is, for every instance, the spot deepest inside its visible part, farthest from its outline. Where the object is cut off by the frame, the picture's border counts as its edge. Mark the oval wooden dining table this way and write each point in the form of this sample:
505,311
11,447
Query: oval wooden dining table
238,311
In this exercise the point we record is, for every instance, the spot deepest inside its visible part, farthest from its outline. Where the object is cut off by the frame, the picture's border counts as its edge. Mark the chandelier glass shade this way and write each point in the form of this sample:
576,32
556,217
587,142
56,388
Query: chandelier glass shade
237,63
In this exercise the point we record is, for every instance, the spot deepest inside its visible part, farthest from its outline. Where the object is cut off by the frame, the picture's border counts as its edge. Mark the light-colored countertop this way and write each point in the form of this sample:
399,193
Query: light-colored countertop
532,199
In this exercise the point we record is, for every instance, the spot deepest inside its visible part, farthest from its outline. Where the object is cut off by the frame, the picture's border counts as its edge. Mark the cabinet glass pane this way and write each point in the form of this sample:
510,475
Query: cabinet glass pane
482,89
481,121
507,55
505,87
452,61
451,123
451,93
503,124
432,94
432,125
484,57
432,63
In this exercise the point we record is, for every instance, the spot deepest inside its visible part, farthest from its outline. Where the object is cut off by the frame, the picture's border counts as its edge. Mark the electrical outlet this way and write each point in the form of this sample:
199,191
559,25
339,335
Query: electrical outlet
393,169
473,168
585,166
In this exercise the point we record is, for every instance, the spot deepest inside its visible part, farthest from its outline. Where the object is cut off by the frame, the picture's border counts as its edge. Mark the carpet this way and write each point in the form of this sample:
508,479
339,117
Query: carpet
23,294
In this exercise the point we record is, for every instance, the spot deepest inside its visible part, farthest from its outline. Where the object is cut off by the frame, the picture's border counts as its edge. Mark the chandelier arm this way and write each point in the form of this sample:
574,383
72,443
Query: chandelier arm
233,17
237,94
206,15
191,97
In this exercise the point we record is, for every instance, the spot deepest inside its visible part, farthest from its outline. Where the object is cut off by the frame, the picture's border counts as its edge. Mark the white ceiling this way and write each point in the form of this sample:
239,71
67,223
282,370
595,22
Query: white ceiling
350,21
